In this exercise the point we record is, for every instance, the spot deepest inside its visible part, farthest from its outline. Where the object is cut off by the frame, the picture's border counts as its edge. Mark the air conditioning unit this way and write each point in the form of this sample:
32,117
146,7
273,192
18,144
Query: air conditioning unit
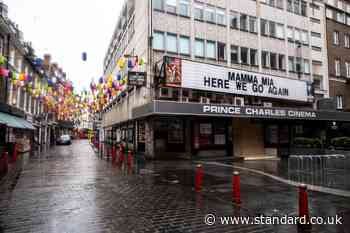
238,101
165,92
204,100
267,104
184,99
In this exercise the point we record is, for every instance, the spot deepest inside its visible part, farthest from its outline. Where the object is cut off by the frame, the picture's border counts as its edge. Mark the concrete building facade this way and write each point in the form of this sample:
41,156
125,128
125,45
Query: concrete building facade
224,78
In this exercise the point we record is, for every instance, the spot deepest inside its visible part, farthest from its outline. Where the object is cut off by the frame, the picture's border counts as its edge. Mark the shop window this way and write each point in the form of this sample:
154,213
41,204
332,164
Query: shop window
211,50
184,45
184,8
221,51
199,48
244,55
254,57
234,54
234,20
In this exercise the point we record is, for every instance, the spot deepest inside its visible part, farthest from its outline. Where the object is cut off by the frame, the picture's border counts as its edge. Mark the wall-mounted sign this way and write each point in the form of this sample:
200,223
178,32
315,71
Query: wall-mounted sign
207,77
137,78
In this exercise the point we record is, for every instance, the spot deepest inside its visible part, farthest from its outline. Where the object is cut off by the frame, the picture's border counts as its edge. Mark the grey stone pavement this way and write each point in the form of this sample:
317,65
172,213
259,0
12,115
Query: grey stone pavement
70,189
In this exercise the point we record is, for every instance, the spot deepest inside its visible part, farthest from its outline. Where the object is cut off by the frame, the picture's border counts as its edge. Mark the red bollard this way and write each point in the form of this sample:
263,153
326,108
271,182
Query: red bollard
113,154
303,202
130,159
199,178
14,154
236,188
121,155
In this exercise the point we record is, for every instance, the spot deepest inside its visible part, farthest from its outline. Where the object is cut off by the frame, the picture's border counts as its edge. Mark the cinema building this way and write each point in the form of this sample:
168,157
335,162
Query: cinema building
224,78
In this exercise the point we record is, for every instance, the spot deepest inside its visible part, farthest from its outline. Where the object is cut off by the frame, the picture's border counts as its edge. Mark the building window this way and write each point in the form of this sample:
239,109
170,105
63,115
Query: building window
210,51
171,6
306,66
347,65
341,17
271,3
158,4
273,60
305,37
244,56
297,7
265,59
210,14
316,34
303,8
297,36
244,22
329,13
337,67
340,102
279,4
158,40
291,65
199,48
221,16
221,51
347,41
264,27
290,5
171,43
280,31
234,54
199,11
281,62
253,57
298,65
253,24
290,33
234,20
184,45
184,8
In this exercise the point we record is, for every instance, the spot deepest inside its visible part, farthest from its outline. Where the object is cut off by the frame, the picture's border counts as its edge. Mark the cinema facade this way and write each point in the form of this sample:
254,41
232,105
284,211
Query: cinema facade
206,110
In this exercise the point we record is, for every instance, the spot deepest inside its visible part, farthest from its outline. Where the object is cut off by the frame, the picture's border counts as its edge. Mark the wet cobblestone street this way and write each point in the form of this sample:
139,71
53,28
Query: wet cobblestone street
70,189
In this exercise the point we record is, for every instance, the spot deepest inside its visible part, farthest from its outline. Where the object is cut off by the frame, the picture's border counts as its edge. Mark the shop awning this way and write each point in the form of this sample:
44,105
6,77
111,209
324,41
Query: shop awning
15,122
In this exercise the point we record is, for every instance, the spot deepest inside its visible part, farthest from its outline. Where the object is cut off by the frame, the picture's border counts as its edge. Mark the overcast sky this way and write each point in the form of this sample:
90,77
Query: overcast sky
66,29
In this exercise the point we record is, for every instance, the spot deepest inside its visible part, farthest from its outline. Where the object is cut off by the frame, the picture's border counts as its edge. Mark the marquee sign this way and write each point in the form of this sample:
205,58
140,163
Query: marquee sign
137,78
207,77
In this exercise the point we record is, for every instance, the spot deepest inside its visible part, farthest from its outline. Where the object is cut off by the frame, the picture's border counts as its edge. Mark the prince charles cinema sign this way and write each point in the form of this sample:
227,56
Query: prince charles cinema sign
207,77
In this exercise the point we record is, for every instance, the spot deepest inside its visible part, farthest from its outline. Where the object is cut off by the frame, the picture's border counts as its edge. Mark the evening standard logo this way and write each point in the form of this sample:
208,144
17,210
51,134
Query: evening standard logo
258,112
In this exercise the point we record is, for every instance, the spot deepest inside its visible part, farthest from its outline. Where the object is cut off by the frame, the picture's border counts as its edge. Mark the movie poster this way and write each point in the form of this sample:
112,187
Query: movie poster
173,72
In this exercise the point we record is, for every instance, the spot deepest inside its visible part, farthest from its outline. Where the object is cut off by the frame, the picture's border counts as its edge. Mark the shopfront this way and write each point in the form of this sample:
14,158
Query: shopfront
194,129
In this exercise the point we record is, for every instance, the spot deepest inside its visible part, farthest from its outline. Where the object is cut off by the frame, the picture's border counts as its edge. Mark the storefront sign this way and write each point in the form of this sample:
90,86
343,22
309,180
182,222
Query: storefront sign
202,76
137,78
221,110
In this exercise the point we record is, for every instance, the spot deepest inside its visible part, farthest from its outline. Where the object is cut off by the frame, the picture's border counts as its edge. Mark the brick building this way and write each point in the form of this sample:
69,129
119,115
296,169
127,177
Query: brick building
338,43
